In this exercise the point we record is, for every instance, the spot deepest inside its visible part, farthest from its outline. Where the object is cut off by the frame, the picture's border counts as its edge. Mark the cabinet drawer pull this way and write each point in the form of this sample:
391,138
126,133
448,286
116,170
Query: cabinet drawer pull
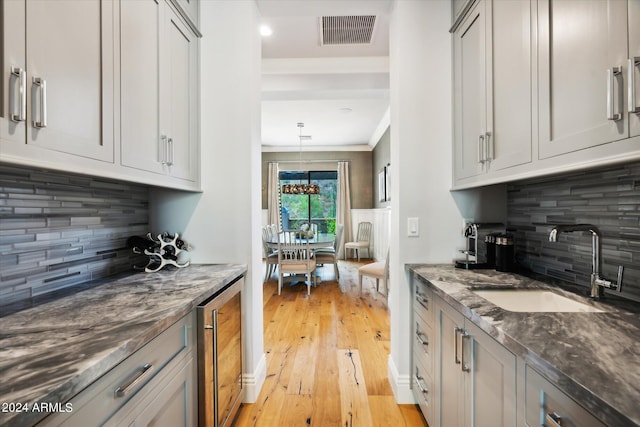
21,75
423,389
42,84
612,73
422,338
134,380
553,420
422,299
631,70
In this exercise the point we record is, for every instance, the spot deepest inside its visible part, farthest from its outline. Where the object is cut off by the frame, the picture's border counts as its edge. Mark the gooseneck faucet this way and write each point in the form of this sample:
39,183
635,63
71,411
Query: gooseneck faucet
596,281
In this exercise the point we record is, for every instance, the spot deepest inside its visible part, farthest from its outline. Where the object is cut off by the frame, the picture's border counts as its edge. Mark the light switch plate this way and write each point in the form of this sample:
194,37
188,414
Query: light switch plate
413,227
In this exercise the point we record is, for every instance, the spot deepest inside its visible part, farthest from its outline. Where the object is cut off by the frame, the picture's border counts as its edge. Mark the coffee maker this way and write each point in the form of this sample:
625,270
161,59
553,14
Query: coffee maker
477,235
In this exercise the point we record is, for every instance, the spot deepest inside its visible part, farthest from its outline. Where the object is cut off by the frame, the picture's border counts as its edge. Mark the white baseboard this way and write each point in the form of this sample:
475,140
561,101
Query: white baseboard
400,384
254,381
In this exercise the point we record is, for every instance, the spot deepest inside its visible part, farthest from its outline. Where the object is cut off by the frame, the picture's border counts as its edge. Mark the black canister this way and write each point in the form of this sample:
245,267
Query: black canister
505,252
490,249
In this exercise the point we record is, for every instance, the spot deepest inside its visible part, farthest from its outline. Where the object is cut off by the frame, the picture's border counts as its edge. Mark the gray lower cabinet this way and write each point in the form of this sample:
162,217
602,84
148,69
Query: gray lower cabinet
461,376
477,374
423,351
548,406
156,385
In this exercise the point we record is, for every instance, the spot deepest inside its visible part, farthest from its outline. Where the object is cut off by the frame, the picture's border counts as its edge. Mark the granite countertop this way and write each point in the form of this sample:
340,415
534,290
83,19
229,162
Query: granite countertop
593,357
52,351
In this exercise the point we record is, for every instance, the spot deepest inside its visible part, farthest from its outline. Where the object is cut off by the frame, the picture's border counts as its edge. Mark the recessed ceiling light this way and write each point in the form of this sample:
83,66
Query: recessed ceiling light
265,30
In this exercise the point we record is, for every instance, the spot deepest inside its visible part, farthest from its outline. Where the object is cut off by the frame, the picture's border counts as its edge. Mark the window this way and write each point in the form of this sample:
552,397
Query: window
318,209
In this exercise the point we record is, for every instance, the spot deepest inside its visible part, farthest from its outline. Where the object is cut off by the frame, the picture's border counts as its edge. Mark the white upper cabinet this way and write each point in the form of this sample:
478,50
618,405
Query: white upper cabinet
583,54
57,80
470,95
633,70
159,107
492,88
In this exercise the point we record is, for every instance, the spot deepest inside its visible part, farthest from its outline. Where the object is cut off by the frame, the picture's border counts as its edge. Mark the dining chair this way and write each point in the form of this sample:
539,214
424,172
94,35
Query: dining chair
270,254
329,255
294,257
377,270
363,238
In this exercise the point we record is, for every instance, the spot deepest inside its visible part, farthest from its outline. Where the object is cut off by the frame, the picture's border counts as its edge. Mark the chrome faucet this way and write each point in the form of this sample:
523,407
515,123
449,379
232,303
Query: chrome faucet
596,281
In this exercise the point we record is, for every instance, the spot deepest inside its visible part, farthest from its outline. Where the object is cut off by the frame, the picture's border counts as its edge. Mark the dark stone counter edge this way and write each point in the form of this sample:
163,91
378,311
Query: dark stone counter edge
592,402
77,384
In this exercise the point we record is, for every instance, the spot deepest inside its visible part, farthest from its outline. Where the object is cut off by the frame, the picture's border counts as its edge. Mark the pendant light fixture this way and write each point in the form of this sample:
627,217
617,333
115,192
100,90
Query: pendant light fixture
300,188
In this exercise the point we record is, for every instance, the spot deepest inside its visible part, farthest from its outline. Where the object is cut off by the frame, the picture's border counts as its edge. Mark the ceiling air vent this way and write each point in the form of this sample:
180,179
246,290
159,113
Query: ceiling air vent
340,30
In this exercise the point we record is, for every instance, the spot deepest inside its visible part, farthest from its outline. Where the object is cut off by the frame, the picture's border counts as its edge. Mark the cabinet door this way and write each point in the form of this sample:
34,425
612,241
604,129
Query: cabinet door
178,95
451,380
578,42
470,101
634,56
544,402
174,404
70,49
140,25
509,86
491,383
12,57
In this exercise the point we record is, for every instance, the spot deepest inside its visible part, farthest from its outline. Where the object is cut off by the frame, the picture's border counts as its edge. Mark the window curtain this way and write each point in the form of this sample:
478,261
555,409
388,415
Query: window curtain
273,196
343,205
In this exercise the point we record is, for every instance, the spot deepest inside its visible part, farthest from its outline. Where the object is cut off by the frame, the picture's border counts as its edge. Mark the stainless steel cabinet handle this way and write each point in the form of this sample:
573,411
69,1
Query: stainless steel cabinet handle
21,75
611,75
488,142
553,420
422,338
631,70
481,149
42,84
134,380
464,365
423,389
162,150
170,151
422,299
456,330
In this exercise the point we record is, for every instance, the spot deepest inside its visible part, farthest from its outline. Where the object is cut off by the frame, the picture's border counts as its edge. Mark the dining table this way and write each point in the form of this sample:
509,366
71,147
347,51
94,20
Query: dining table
318,241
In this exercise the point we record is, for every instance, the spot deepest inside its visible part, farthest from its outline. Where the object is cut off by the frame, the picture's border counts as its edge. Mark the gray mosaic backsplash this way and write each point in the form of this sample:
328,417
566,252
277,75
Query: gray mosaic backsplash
608,198
58,230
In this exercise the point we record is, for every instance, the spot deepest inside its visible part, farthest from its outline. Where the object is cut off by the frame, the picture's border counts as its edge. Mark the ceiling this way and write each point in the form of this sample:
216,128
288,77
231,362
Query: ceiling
339,91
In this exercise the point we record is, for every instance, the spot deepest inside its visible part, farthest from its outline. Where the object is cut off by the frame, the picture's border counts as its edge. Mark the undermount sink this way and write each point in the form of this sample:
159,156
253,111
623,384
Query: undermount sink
533,300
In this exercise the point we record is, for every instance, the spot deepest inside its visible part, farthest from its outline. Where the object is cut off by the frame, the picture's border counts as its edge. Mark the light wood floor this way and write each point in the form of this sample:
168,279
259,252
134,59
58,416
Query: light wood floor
327,357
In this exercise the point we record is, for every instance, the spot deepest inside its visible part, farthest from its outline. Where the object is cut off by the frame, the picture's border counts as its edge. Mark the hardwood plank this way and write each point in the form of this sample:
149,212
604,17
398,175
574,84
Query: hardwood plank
353,390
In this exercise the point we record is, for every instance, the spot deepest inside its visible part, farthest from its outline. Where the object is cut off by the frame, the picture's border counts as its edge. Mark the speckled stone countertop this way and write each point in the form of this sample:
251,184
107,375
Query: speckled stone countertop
52,351
593,357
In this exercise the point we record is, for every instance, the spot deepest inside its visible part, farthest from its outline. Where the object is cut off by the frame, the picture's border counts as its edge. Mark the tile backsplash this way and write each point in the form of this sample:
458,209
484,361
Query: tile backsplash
608,198
58,230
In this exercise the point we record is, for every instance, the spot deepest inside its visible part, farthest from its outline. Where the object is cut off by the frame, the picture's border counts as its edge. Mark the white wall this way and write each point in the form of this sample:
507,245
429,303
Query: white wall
421,140
223,223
